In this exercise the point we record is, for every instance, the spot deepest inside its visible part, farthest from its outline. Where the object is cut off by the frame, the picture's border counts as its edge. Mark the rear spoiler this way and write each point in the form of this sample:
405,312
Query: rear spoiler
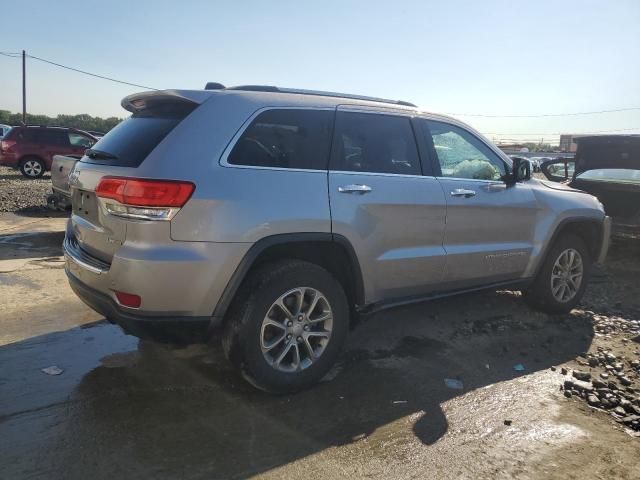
145,100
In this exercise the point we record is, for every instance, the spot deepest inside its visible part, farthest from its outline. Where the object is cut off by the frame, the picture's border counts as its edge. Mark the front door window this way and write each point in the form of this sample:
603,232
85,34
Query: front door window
462,155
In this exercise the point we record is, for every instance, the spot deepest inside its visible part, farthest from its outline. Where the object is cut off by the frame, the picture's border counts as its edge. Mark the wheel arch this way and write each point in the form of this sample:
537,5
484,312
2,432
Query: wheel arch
331,251
588,229
27,156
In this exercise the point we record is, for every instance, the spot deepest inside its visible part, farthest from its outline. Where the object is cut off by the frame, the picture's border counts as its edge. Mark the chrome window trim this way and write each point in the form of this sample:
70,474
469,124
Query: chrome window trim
375,110
379,174
224,158
475,180
350,108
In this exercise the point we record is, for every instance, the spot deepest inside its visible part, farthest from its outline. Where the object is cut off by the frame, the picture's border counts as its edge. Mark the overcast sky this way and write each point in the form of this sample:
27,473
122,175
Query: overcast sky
488,57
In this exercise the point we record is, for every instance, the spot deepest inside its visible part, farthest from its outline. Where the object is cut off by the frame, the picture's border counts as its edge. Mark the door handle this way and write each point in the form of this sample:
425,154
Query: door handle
462,192
359,189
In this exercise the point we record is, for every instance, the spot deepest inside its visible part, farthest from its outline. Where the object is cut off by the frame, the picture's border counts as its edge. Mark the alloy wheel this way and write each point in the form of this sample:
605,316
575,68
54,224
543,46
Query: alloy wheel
32,168
566,275
296,329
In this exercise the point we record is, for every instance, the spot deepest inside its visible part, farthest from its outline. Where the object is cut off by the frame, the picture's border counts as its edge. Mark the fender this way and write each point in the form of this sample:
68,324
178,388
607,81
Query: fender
263,244
599,224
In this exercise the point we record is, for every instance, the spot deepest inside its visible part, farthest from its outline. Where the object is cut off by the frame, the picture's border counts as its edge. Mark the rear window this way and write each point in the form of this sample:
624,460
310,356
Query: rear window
25,135
132,140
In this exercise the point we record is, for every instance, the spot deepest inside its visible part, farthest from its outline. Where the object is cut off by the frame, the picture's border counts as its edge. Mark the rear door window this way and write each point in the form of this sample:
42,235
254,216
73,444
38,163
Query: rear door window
56,138
374,143
133,139
285,138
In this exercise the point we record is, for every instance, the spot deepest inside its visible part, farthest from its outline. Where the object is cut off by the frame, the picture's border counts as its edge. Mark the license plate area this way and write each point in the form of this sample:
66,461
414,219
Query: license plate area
85,205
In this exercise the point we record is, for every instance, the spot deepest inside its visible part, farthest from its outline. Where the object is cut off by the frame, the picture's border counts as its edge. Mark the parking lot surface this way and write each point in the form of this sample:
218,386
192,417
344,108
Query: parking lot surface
123,408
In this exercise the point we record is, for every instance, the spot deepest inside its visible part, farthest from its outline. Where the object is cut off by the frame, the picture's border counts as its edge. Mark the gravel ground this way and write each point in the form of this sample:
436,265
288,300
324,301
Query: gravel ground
607,376
22,195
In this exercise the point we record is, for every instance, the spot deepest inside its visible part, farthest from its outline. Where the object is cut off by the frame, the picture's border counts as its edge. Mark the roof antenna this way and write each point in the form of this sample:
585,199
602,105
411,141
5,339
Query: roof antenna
213,86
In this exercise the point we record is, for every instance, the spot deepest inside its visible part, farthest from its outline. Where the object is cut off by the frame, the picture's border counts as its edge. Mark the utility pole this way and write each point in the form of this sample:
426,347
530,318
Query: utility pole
24,88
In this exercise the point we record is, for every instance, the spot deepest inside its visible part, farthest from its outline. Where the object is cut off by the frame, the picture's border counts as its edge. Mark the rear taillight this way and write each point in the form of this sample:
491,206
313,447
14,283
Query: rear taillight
6,145
142,198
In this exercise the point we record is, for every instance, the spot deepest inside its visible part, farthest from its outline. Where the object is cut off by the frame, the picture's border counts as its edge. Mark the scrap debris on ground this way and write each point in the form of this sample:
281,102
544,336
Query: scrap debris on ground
609,381
607,377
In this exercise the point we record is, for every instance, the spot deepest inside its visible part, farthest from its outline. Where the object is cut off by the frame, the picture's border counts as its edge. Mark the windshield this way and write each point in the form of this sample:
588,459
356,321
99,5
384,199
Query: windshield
621,175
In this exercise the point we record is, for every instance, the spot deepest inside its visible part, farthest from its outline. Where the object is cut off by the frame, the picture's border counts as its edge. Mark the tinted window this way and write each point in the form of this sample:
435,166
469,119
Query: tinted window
132,140
462,155
375,143
286,139
26,135
56,138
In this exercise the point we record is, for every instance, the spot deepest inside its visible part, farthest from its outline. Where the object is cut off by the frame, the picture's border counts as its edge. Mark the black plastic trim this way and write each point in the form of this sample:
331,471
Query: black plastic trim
261,245
424,150
173,329
556,232
399,302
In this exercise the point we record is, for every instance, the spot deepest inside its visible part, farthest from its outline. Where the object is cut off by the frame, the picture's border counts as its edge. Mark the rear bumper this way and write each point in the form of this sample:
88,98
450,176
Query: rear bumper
9,160
606,240
180,284
167,329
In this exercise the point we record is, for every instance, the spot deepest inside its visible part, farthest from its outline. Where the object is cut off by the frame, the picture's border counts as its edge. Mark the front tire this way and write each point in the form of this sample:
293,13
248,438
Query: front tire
32,167
287,326
563,277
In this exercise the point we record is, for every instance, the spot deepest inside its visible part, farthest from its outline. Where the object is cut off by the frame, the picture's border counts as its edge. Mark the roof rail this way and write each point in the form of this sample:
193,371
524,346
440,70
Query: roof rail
271,88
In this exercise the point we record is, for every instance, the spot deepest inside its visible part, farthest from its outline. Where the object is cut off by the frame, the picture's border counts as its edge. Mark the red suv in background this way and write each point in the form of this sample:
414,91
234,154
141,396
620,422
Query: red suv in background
31,148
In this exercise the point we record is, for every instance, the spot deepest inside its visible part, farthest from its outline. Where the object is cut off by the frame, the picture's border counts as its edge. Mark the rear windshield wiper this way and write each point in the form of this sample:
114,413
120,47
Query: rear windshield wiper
100,155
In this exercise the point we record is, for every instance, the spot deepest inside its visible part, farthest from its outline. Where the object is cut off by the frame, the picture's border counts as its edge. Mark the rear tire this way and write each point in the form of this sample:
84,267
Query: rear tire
275,332
32,167
558,287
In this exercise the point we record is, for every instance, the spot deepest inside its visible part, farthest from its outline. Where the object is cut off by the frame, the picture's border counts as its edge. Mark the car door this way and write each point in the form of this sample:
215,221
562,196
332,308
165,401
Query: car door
490,225
380,201
78,143
52,142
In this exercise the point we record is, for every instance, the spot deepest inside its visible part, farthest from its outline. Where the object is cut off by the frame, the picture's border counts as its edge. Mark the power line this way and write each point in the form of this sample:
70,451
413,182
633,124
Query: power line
17,55
84,72
544,114
574,133
89,73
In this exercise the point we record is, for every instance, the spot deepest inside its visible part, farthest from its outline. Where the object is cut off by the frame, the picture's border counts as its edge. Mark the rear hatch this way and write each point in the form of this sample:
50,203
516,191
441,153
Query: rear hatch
60,169
118,154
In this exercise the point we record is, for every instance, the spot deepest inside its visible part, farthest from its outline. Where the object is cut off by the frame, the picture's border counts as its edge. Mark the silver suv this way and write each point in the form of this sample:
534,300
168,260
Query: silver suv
276,216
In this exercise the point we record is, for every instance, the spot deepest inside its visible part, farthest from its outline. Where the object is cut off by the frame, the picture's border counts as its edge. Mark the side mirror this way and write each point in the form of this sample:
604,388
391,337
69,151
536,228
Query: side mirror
521,171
